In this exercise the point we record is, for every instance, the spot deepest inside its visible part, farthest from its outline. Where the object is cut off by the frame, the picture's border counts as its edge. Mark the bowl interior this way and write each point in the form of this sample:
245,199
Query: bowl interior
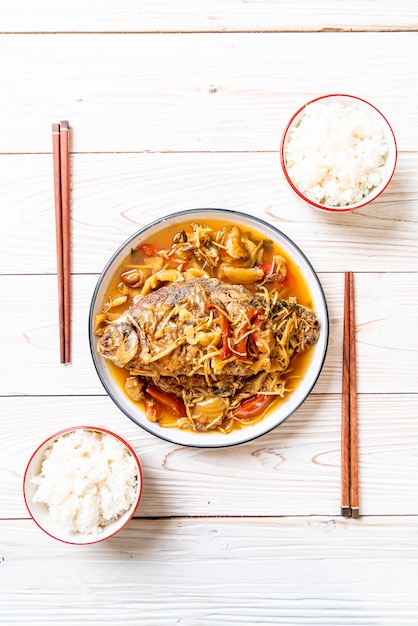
389,138
209,439
39,511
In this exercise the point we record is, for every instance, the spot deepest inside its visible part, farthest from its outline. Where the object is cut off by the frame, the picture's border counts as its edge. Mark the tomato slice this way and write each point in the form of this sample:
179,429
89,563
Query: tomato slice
253,406
270,275
167,399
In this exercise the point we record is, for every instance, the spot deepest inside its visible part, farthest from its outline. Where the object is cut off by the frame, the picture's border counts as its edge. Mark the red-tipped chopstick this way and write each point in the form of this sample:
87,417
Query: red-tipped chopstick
349,443
61,158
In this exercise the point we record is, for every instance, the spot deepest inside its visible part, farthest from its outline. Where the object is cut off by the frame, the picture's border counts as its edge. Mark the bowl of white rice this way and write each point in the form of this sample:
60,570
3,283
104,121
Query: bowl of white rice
83,484
338,153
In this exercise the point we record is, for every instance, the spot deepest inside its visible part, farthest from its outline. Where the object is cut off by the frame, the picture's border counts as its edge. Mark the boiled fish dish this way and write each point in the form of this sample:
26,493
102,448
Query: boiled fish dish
206,347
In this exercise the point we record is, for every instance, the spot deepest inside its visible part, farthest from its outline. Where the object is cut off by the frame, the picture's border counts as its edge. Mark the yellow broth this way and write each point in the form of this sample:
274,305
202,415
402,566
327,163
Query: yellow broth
294,285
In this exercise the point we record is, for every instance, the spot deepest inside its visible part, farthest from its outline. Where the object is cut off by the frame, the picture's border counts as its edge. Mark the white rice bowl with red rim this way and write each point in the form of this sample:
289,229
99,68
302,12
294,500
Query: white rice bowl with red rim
338,153
283,409
98,478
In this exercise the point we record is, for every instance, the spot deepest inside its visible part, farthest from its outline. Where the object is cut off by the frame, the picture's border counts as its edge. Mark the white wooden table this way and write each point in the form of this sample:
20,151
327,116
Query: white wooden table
182,105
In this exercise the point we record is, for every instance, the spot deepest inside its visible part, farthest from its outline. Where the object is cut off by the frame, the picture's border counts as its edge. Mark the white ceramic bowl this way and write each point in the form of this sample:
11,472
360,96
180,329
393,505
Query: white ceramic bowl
313,147
292,402
40,511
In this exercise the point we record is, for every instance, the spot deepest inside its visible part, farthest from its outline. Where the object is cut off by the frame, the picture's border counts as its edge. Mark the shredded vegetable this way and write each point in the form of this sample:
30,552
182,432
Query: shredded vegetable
208,329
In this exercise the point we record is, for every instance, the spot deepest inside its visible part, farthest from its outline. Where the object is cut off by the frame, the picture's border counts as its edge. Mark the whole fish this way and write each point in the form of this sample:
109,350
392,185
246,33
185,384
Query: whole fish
205,327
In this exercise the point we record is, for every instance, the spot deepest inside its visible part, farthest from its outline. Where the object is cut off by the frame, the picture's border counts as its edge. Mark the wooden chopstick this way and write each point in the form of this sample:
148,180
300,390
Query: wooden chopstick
58,232
349,443
345,407
61,158
354,493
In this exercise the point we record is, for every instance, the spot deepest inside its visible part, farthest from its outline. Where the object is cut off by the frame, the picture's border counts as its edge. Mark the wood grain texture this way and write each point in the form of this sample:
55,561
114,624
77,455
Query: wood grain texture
202,15
114,195
197,92
29,335
303,571
175,106
293,470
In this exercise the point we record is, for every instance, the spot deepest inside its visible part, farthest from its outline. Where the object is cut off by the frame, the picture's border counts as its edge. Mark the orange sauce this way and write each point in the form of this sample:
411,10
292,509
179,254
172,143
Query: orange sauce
294,285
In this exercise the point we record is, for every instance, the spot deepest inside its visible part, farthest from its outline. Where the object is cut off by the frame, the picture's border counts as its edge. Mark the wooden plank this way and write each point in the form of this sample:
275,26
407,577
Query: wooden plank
201,15
167,121
114,195
293,470
386,348
199,92
303,571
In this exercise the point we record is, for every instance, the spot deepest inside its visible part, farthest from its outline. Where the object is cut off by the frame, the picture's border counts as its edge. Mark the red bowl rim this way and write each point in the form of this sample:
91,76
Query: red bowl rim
325,207
99,429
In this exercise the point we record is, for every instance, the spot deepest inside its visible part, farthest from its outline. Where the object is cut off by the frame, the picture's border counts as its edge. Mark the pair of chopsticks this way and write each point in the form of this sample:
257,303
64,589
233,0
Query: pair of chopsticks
61,158
349,447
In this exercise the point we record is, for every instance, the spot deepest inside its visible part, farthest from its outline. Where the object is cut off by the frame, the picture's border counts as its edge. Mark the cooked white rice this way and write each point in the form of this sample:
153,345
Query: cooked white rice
336,153
88,479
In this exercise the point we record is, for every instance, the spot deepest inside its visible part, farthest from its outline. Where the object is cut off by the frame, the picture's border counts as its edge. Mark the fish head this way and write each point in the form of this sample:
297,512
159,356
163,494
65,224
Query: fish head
119,343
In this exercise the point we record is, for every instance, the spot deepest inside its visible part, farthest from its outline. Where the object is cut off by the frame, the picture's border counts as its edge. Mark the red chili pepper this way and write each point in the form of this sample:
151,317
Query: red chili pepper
242,340
148,249
167,399
258,319
225,330
152,251
253,406
241,344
